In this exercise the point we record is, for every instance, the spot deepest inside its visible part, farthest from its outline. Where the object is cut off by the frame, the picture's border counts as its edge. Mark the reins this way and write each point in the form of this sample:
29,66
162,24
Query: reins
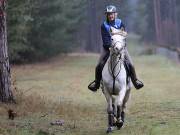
112,69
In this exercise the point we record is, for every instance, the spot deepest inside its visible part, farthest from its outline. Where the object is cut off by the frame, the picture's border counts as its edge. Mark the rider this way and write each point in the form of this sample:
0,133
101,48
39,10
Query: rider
112,21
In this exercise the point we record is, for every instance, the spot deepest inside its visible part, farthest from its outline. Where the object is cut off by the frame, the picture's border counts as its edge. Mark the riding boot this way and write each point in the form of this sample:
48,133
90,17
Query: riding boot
137,83
98,73
93,86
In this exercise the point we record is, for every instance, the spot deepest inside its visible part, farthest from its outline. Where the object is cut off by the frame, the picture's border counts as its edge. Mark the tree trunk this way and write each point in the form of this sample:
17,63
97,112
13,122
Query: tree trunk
5,81
176,23
158,23
92,45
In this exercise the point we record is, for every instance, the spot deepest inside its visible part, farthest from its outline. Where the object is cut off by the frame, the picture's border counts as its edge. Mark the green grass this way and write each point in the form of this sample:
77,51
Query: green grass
62,86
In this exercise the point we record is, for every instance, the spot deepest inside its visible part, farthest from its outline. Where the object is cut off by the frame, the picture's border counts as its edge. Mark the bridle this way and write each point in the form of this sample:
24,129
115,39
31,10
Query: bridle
112,68
120,59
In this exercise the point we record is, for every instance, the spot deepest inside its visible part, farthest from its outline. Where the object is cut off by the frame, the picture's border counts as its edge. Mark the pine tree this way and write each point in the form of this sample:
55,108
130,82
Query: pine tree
39,29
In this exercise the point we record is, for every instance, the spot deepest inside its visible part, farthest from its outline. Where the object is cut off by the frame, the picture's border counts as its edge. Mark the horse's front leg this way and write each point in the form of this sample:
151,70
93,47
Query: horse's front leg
109,111
114,104
126,98
120,113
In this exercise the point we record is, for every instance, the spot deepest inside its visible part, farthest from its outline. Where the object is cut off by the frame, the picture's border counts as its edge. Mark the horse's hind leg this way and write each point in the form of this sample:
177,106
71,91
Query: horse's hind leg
109,111
126,98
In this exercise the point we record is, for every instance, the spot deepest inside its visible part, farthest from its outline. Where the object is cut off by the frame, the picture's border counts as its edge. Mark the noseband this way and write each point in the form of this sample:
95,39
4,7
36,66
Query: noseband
119,50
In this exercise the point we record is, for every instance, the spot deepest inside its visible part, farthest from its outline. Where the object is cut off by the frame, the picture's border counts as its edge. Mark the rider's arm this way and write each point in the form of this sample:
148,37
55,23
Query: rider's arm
106,38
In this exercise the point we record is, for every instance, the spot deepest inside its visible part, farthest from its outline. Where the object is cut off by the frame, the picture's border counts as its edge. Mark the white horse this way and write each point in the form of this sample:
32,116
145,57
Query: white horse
115,86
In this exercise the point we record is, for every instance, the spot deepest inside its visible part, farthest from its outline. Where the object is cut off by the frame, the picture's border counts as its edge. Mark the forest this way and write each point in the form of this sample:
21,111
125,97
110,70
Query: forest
48,55
39,29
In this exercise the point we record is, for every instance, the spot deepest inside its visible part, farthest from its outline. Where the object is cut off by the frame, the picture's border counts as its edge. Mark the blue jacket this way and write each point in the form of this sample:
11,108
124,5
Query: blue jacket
105,31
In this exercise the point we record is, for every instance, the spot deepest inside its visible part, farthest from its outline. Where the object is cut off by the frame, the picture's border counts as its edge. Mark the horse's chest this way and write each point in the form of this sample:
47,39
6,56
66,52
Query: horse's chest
113,86
114,91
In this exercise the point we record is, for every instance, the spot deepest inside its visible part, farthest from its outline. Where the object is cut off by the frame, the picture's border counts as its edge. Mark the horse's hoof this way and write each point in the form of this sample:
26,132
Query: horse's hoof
123,116
109,130
119,124
114,124
115,121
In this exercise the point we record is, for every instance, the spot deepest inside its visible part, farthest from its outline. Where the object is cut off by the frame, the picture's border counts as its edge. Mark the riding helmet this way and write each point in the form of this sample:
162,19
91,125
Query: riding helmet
110,9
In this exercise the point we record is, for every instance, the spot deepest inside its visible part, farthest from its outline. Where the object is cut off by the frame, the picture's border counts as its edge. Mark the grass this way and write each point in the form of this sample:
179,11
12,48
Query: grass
57,89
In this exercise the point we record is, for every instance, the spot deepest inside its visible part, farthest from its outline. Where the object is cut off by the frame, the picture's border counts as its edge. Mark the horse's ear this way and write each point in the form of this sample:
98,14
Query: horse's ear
122,29
111,29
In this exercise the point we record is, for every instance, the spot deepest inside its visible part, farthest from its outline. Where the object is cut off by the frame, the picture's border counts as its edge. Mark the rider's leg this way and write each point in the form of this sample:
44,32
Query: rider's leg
98,72
137,83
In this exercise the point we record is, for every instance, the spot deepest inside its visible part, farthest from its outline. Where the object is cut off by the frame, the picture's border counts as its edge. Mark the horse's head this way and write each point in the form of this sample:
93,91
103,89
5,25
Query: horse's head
118,38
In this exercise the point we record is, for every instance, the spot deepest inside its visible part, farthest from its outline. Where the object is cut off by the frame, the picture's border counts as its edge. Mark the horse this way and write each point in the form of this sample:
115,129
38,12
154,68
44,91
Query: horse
116,84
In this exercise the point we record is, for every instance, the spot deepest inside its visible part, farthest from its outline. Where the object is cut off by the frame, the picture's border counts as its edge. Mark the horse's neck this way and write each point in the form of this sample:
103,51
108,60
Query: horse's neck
114,63
113,60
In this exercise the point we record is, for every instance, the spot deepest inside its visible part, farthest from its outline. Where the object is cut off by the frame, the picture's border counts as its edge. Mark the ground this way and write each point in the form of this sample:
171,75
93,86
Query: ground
57,90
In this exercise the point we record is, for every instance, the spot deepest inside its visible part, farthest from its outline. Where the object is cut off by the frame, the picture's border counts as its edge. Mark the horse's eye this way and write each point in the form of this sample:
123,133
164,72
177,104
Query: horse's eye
111,39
